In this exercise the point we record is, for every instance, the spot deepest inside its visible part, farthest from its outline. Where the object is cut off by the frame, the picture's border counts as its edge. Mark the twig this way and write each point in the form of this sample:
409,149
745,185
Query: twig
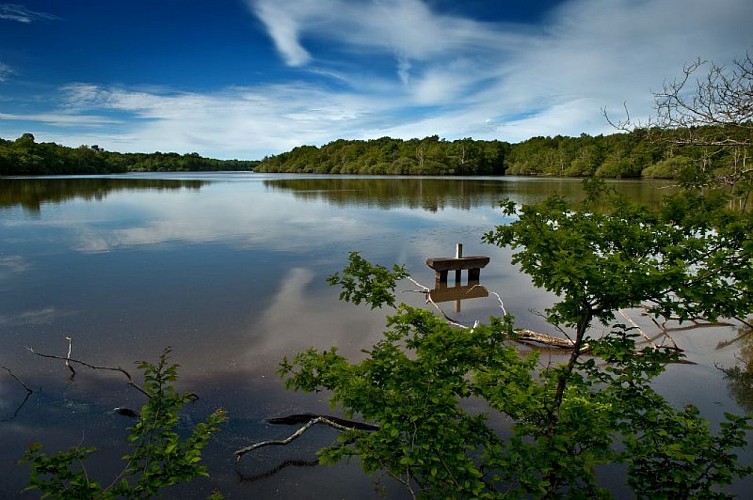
727,343
94,367
17,379
292,437
423,288
29,392
68,358
501,304
635,325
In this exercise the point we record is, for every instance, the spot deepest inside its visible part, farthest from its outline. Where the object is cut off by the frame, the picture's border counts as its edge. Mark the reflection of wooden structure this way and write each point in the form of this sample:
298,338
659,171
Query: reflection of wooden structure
446,294
443,265
458,293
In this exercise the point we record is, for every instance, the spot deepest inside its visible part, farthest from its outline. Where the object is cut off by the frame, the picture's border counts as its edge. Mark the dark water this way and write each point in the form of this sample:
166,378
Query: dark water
230,270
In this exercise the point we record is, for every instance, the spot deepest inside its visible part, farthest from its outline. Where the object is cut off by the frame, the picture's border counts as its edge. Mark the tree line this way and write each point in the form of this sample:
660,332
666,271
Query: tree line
651,152
642,152
25,156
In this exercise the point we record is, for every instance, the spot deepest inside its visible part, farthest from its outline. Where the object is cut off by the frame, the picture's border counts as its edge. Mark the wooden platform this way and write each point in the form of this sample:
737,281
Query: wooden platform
442,265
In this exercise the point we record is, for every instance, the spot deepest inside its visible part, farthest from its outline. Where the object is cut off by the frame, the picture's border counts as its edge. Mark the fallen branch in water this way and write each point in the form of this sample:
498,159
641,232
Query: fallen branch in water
29,392
302,418
335,423
526,336
68,360
522,335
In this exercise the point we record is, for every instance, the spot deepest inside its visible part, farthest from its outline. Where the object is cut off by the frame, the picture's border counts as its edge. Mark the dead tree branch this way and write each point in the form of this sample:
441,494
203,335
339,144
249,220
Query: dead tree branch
69,360
302,418
312,422
29,392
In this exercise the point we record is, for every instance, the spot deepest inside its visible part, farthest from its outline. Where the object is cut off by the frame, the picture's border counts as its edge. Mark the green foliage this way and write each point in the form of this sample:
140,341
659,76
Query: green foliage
693,258
417,381
671,168
624,155
26,157
363,281
160,456
671,453
427,156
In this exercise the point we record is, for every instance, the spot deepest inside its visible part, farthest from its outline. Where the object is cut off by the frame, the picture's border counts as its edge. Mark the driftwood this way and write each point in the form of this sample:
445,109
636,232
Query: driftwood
311,420
126,412
68,360
304,418
527,336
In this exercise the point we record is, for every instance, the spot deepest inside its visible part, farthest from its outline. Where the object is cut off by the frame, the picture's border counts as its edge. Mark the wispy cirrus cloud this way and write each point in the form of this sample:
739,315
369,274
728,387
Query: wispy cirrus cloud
60,119
22,14
5,72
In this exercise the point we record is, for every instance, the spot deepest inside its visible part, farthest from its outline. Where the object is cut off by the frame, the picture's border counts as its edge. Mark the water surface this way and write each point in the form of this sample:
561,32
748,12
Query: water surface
229,270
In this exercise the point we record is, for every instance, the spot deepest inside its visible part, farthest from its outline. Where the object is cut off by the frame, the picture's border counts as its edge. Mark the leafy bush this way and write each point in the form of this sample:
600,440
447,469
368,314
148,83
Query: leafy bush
159,456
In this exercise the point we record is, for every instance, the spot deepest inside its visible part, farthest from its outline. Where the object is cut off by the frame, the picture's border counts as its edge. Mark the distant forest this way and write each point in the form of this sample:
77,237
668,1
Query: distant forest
25,156
640,153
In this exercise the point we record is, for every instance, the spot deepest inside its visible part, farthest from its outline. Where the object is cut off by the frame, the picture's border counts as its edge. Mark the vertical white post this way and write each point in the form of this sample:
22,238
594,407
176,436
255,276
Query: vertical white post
458,254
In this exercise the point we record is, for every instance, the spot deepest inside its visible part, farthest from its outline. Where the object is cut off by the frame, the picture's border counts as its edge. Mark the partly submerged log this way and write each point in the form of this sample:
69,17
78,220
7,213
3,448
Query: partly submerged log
304,418
529,336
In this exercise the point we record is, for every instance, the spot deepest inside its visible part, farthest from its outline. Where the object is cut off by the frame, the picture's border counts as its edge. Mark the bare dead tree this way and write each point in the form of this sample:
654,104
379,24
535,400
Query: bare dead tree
709,107
722,97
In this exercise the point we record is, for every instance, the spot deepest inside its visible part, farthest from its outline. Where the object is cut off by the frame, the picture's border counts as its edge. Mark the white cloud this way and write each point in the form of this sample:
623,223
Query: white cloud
21,14
283,27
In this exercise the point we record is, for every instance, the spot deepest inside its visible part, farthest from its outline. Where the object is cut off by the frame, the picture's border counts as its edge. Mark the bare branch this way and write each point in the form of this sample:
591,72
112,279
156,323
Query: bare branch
302,418
29,392
17,379
294,436
68,358
635,325
93,367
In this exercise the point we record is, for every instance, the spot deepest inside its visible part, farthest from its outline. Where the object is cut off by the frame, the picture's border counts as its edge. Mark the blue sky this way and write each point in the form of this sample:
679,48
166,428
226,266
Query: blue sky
249,78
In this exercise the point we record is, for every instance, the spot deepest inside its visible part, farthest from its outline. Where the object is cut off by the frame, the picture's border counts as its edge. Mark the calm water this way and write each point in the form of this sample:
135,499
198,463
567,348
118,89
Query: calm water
230,270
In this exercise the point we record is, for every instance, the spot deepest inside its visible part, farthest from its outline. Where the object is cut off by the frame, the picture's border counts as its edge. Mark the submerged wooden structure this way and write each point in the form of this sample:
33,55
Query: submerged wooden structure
443,265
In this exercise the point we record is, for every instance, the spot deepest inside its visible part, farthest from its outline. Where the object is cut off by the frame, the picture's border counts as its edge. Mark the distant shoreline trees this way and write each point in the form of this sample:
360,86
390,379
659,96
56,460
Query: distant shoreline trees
25,156
621,155
641,152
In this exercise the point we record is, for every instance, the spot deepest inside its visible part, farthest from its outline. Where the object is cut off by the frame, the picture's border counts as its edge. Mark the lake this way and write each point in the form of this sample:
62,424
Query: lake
229,269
